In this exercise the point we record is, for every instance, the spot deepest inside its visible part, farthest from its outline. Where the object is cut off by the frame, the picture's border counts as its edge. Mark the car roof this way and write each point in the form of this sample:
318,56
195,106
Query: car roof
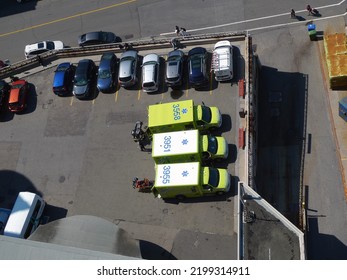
82,65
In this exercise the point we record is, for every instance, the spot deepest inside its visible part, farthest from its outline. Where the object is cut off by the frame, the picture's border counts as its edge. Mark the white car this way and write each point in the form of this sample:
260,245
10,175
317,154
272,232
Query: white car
150,73
41,47
222,61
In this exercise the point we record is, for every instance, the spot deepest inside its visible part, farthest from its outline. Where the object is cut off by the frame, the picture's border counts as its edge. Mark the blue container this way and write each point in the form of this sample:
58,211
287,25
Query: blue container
311,27
343,108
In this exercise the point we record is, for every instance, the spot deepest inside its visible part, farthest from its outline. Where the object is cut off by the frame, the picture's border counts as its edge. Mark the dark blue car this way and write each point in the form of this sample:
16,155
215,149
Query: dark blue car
63,79
107,72
197,60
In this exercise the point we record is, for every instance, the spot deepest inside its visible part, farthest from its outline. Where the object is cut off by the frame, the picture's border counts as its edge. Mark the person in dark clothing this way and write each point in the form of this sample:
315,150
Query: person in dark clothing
177,30
292,14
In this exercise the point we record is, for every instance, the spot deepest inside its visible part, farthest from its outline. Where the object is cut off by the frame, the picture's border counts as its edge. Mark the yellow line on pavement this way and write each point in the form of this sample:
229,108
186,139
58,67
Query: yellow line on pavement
67,18
116,96
71,101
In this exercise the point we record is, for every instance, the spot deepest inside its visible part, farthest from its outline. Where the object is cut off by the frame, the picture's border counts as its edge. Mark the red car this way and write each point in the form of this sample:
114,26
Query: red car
18,96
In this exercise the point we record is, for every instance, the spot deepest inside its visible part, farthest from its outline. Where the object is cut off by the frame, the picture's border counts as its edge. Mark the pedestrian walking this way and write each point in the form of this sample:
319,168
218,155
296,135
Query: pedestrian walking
309,9
183,32
177,30
292,14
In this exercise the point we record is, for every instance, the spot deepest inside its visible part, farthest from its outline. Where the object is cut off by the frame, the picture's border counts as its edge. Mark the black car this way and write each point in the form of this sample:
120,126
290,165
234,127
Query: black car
97,38
107,72
63,79
4,91
197,60
84,78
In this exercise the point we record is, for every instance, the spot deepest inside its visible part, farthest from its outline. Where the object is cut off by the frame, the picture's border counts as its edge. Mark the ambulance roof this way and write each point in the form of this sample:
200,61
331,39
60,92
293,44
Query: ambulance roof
170,113
175,143
177,174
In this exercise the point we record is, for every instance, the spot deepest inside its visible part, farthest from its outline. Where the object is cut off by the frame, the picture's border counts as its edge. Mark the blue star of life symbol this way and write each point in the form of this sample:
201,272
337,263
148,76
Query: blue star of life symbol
184,111
185,141
185,173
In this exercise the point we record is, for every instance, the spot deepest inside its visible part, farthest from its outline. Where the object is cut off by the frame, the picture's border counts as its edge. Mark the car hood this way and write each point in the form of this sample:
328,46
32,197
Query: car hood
104,83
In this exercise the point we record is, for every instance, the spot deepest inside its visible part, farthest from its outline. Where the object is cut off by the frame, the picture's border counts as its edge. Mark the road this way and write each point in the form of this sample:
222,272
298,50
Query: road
270,26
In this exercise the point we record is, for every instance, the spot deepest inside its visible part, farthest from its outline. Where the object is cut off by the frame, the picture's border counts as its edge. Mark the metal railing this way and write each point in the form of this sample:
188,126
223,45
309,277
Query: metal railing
143,44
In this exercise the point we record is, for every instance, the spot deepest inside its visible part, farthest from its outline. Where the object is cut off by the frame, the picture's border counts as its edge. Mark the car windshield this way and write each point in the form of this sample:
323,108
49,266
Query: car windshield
62,68
149,63
50,45
206,114
149,84
80,81
212,145
174,58
104,74
127,58
17,86
125,79
214,177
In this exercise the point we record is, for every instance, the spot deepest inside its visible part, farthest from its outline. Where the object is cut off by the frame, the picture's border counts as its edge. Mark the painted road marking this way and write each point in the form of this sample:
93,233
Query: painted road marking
262,18
67,18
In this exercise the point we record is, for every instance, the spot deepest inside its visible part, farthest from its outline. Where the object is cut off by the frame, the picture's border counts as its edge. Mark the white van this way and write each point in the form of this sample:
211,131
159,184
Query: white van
25,215
222,61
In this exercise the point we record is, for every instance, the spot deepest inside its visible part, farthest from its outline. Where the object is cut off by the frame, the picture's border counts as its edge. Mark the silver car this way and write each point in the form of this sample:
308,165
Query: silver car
150,73
174,68
128,68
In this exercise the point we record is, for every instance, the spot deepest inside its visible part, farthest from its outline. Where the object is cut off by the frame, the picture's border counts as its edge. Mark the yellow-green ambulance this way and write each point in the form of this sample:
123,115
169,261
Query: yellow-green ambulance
187,146
182,180
182,115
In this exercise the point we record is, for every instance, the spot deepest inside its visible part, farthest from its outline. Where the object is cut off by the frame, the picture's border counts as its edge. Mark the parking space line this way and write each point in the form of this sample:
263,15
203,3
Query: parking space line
139,94
116,96
71,101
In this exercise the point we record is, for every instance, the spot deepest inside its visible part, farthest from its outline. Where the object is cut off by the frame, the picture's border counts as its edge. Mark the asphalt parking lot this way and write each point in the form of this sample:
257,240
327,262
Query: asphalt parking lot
81,157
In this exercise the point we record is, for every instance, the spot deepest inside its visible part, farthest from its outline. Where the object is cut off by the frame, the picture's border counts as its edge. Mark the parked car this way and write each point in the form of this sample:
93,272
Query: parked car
84,79
97,38
42,47
4,90
63,79
174,68
107,72
150,72
128,68
222,61
197,60
17,101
